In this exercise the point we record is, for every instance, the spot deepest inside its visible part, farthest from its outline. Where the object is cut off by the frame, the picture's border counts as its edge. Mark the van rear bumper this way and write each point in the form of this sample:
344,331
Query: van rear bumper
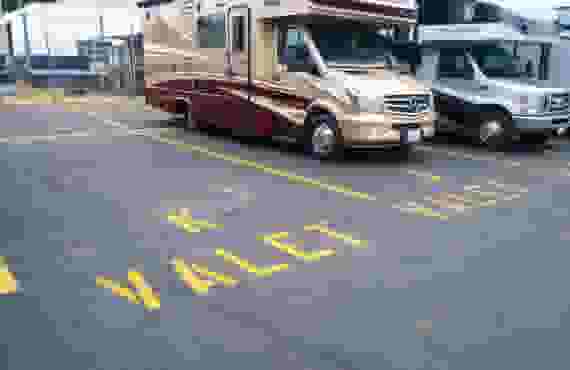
541,123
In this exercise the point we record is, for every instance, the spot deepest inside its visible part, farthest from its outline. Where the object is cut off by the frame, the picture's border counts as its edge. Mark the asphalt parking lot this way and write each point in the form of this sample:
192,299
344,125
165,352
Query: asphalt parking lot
254,255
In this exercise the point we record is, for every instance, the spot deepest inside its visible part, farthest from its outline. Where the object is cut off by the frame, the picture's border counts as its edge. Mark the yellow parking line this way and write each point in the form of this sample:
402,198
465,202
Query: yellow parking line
344,190
8,283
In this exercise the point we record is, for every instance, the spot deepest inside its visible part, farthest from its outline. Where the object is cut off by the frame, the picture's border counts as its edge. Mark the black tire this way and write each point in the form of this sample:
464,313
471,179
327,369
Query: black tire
539,140
406,150
325,122
189,123
500,139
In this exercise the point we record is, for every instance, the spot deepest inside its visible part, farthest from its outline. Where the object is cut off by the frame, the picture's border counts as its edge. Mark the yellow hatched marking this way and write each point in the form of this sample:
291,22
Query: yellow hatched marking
515,188
274,240
446,201
414,208
117,289
347,238
183,219
150,300
8,283
250,267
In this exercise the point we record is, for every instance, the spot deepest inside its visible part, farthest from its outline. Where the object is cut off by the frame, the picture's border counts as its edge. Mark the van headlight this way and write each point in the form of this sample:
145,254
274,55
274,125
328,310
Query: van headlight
530,104
363,103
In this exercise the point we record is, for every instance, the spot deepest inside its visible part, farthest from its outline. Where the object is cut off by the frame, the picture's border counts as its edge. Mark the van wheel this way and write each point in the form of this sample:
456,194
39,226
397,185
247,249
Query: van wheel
406,150
323,139
540,141
495,130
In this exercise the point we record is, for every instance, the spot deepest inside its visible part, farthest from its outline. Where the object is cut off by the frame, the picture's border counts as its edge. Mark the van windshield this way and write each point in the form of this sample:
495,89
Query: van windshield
351,44
496,61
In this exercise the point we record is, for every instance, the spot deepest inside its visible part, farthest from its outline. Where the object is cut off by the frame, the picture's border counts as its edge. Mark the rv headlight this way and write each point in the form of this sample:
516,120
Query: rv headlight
363,103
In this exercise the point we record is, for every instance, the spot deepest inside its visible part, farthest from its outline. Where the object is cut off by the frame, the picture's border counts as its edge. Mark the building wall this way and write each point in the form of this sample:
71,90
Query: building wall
3,40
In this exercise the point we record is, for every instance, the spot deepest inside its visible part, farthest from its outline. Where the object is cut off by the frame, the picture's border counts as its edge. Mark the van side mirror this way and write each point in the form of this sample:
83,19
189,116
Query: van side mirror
529,69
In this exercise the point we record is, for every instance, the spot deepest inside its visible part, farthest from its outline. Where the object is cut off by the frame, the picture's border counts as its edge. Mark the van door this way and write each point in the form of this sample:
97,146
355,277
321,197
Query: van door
454,85
239,71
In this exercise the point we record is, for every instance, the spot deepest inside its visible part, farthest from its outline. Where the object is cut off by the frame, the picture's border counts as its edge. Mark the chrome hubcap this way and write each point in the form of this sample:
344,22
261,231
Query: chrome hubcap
490,129
323,140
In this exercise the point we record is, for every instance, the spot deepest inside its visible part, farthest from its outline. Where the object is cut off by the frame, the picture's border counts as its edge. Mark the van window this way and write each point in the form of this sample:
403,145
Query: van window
212,31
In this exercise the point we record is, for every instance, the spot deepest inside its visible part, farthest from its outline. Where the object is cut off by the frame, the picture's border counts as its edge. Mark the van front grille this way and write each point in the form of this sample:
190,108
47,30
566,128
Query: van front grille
559,103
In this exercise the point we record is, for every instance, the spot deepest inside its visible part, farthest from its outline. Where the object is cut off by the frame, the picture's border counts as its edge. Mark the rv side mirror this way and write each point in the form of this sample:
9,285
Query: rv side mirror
279,70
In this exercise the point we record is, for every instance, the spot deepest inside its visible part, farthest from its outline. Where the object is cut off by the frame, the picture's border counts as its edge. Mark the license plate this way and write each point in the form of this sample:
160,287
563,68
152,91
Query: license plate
413,136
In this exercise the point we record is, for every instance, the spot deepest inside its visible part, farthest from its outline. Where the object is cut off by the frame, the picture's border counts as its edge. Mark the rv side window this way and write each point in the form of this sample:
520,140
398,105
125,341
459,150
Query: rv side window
212,31
453,63
238,32
294,53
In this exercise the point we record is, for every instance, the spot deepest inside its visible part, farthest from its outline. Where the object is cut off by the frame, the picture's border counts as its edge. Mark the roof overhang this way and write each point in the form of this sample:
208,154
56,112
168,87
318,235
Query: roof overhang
477,33
14,15
150,3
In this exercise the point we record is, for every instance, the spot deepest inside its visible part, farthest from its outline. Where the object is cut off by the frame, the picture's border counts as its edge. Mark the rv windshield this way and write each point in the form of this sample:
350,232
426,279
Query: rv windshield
496,61
350,44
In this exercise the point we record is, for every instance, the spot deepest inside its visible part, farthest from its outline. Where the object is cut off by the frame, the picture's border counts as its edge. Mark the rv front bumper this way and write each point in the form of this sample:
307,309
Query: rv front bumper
377,130
540,123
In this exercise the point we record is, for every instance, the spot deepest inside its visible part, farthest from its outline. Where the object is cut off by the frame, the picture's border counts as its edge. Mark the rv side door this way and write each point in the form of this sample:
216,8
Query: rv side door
238,64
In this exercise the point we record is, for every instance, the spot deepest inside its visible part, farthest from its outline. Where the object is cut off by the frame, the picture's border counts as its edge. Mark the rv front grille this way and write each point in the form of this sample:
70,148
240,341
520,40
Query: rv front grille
411,104
559,103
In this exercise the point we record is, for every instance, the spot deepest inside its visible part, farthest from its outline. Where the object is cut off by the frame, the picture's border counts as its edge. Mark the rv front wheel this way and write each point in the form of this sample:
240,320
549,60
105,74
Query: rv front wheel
323,139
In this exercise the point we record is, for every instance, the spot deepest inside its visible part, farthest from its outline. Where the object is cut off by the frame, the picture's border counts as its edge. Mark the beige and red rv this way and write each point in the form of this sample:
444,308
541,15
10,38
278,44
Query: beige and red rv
316,71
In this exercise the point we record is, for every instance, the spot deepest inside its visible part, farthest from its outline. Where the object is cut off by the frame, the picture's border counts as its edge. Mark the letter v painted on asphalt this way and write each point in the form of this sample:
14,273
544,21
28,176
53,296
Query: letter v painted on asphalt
8,283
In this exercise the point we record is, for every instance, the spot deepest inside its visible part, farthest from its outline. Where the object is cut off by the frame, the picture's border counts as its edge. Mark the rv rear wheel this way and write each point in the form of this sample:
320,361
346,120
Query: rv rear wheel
323,139
495,131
